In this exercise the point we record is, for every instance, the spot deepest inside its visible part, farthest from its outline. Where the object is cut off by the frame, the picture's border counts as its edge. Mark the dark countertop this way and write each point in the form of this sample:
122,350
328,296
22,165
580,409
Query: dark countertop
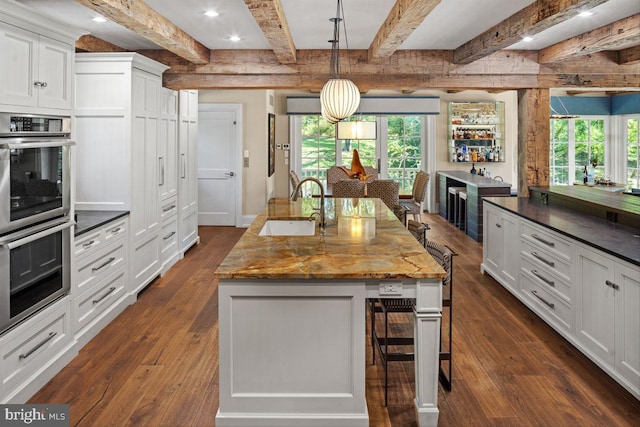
610,237
615,201
475,180
89,220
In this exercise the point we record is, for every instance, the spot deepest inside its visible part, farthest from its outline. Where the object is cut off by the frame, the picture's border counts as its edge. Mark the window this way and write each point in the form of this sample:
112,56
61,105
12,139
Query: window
404,142
633,143
318,148
399,148
575,143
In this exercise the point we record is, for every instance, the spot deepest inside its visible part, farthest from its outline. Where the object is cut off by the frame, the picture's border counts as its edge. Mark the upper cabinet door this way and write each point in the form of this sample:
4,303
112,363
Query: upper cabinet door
19,67
55,59
35,71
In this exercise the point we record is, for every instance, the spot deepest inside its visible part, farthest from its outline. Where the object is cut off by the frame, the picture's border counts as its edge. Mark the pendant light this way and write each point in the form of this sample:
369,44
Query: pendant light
339,97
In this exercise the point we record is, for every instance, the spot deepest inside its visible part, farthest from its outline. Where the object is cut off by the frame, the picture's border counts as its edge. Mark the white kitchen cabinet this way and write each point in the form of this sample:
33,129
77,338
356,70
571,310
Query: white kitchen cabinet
36,72
168,144
608,312
34,351
187,168
501,250
116,126
99,278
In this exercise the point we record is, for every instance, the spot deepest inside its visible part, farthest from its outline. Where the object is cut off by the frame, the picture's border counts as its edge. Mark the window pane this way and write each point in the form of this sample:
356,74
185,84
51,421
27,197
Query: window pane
582,155
632,156
581,131
561,176
560,155
597,131
597,153
318,149
559,130
632,131
404,150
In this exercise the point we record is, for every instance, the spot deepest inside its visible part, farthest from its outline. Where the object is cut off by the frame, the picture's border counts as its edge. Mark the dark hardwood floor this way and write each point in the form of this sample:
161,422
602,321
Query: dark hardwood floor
157,363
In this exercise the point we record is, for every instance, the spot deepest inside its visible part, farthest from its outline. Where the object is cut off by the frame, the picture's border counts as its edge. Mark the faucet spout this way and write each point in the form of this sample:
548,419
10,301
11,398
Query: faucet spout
294,197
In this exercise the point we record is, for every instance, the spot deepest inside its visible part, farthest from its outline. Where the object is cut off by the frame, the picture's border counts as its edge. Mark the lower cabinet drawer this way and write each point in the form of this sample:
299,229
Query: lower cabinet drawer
547,278
169,235
550,307
99,298
92,269
547,260
33,345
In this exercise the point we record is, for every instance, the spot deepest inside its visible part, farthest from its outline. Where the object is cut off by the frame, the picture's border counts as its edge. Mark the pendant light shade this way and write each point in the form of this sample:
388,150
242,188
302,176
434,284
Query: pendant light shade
327,117
340,98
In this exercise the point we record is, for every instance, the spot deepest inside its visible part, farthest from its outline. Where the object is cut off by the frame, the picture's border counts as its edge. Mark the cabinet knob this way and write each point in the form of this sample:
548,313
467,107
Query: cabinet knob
611,284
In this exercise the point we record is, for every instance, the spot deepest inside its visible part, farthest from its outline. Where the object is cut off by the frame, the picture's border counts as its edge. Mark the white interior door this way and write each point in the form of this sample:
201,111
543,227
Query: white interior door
216,175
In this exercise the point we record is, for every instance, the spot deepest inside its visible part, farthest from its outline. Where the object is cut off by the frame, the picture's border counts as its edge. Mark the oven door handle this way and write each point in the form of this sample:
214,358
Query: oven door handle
19,239
39,143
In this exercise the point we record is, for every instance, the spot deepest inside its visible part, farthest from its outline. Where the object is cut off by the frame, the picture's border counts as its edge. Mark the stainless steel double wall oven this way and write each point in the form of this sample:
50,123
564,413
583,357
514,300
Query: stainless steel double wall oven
35,198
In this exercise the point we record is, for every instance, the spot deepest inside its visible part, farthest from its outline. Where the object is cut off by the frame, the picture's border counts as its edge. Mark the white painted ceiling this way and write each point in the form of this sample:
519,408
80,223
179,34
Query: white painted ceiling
449,25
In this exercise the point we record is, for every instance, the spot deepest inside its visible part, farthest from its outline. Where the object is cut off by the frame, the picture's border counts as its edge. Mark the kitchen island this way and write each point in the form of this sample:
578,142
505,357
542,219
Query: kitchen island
292,315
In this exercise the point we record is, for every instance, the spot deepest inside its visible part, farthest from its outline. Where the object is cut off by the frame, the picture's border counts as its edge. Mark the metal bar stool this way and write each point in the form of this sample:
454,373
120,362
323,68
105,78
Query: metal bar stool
462,210
452,205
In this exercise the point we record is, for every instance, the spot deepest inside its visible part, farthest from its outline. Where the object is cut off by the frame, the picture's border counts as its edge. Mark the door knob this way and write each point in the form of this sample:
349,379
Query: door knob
230,174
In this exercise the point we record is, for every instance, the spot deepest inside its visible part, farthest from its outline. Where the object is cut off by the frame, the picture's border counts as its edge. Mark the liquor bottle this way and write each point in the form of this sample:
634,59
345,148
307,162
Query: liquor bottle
473,169
584,175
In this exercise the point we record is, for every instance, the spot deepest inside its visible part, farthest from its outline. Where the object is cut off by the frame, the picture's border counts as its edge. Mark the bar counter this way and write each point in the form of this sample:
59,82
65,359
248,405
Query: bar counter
477,188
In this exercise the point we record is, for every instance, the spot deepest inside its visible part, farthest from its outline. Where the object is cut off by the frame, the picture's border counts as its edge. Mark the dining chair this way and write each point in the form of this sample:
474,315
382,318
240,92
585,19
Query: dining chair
387,190
348,188
444,256
294,180
372,173
418,192
335,174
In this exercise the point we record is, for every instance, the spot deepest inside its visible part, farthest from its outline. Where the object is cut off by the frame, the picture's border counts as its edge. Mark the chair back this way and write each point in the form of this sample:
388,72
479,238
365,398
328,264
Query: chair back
348,188
294,180
444,256
418,230
335,174
420,186
387,190
371,172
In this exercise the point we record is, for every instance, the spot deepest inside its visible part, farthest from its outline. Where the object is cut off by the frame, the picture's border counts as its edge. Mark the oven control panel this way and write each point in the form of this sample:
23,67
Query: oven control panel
28,124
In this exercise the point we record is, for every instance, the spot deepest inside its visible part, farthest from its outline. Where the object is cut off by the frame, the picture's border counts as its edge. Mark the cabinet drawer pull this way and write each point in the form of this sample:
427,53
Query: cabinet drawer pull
104,264
109,292
550,304
88,244
540,239
611,285
34,349
498,225
168,236
43,84
167,209
544,279
543,259
116,230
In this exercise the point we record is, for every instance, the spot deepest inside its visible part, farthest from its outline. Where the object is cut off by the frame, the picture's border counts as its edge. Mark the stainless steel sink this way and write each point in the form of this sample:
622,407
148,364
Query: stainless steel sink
278,227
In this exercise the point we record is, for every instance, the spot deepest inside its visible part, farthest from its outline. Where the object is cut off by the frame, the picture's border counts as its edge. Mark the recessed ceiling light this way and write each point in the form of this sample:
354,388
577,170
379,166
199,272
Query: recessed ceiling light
211,13
235,38
527,39
585,13
99,19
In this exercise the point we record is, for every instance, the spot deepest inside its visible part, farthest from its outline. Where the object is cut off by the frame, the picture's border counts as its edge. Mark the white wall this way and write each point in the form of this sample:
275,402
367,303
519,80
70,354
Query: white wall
256,106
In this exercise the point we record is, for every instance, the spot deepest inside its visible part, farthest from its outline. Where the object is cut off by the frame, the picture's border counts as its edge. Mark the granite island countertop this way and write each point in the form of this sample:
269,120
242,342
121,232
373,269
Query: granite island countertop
610,237
363,240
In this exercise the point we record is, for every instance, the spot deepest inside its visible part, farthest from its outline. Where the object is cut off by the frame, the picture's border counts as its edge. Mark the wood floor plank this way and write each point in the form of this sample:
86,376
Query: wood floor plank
157,363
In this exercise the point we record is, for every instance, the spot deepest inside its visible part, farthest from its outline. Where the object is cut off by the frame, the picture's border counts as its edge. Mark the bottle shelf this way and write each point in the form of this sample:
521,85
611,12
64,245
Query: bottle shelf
476,130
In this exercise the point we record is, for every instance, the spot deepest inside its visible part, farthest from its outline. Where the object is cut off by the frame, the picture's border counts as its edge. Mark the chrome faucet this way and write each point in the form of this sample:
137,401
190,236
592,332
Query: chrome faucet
320,213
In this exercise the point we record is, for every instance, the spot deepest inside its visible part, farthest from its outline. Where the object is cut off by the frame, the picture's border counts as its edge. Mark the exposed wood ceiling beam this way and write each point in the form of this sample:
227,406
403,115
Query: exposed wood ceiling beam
610,36
140,18
404,70
270,17
630,55
404,17
531,20
89,43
